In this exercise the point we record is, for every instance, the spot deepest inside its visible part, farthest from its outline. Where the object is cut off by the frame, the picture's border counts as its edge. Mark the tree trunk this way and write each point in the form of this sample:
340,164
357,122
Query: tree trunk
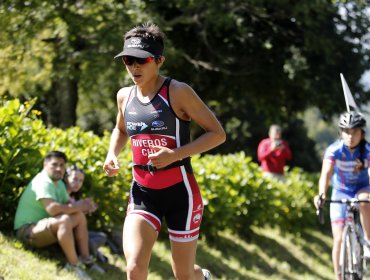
62,103
68,114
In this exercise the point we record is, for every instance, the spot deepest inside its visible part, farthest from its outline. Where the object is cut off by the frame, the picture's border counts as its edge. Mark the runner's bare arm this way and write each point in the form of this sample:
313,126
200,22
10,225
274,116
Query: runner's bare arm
119,136
188,106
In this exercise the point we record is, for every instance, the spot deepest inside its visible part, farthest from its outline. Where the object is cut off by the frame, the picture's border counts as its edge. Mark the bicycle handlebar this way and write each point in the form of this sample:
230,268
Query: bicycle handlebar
348,201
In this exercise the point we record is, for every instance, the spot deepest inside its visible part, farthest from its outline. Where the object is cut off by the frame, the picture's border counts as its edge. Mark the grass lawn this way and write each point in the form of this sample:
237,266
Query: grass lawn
267,255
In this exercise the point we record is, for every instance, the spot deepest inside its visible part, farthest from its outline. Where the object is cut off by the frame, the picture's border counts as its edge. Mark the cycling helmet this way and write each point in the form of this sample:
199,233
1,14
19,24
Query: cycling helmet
351,120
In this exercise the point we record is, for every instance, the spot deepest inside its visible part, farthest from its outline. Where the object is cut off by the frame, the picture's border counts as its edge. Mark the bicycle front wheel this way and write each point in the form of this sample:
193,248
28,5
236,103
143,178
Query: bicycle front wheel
345,260
349,261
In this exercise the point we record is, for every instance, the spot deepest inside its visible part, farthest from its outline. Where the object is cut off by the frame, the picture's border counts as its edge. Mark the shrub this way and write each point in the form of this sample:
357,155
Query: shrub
236,196
25,141
21,138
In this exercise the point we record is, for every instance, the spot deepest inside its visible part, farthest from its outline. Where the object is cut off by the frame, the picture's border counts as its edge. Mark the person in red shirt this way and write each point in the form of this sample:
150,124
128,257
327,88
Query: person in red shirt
273,152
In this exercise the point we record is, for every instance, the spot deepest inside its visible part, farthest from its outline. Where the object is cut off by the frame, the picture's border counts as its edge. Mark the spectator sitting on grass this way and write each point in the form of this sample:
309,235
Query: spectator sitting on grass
45,216
74,179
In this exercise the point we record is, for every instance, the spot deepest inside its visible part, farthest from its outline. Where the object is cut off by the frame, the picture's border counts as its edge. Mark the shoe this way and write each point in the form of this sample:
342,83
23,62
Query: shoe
100,257
367,249
78,271
96,268
207,274
91,265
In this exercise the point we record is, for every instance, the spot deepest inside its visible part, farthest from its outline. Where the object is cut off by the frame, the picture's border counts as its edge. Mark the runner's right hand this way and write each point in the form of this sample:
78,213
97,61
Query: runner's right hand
111,166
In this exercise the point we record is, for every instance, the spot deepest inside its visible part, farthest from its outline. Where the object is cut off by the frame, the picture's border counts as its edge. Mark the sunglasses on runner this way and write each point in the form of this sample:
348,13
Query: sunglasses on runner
130,60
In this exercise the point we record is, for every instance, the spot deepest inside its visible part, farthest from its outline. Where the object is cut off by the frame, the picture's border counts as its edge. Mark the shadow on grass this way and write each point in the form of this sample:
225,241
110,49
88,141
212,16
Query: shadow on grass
229,257
276,250
54,253
310,238
259,258
160,267
217,266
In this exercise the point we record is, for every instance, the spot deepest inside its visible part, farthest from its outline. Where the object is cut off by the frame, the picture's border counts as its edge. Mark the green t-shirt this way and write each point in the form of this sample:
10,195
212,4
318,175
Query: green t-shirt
30,209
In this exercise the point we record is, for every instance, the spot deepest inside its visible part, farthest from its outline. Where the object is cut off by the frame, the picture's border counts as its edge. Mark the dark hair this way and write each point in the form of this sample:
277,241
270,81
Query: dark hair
55,154
74,168
75,195
147,30
361,164
69,170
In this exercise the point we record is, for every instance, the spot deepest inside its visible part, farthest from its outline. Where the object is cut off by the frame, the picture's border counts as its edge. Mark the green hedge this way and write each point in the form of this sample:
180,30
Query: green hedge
236,196
25,141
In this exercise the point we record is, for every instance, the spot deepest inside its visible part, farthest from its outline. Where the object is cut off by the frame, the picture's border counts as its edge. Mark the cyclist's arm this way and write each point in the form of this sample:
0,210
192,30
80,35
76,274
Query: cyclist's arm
326,172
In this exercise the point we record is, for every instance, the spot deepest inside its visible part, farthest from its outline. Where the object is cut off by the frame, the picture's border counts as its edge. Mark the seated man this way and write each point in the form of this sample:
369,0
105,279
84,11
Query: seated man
44,216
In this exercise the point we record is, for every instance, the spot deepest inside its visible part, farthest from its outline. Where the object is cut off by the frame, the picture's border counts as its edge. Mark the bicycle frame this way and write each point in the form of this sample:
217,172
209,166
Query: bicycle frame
352,262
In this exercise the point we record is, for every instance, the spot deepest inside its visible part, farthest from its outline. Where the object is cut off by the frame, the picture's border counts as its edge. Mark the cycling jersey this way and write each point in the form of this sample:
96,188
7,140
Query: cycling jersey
155,123
346,182
344,177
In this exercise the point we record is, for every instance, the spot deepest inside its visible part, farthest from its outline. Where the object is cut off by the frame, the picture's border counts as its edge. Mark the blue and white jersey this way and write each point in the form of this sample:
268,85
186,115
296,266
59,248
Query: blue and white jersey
345,178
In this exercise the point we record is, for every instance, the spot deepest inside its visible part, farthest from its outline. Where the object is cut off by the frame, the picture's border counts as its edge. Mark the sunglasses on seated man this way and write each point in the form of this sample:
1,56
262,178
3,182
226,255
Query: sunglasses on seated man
130,60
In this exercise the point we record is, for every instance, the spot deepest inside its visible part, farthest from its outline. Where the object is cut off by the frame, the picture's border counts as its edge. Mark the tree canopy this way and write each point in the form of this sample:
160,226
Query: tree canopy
253,62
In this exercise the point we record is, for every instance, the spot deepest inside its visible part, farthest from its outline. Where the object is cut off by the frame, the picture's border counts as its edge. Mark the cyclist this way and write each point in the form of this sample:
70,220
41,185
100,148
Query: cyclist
155,115
346,161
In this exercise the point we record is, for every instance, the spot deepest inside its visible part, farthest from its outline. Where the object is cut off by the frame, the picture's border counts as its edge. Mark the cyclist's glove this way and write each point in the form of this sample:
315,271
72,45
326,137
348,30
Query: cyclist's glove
321,200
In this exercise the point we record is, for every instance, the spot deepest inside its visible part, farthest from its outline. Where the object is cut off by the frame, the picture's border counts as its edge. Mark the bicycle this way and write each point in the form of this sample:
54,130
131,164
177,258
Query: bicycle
352,262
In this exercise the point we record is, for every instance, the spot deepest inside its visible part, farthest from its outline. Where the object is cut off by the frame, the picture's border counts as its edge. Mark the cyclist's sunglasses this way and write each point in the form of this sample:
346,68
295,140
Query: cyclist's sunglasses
130,60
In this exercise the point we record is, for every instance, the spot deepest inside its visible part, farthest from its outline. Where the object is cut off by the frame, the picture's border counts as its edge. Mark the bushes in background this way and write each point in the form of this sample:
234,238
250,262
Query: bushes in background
236,196
24,143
